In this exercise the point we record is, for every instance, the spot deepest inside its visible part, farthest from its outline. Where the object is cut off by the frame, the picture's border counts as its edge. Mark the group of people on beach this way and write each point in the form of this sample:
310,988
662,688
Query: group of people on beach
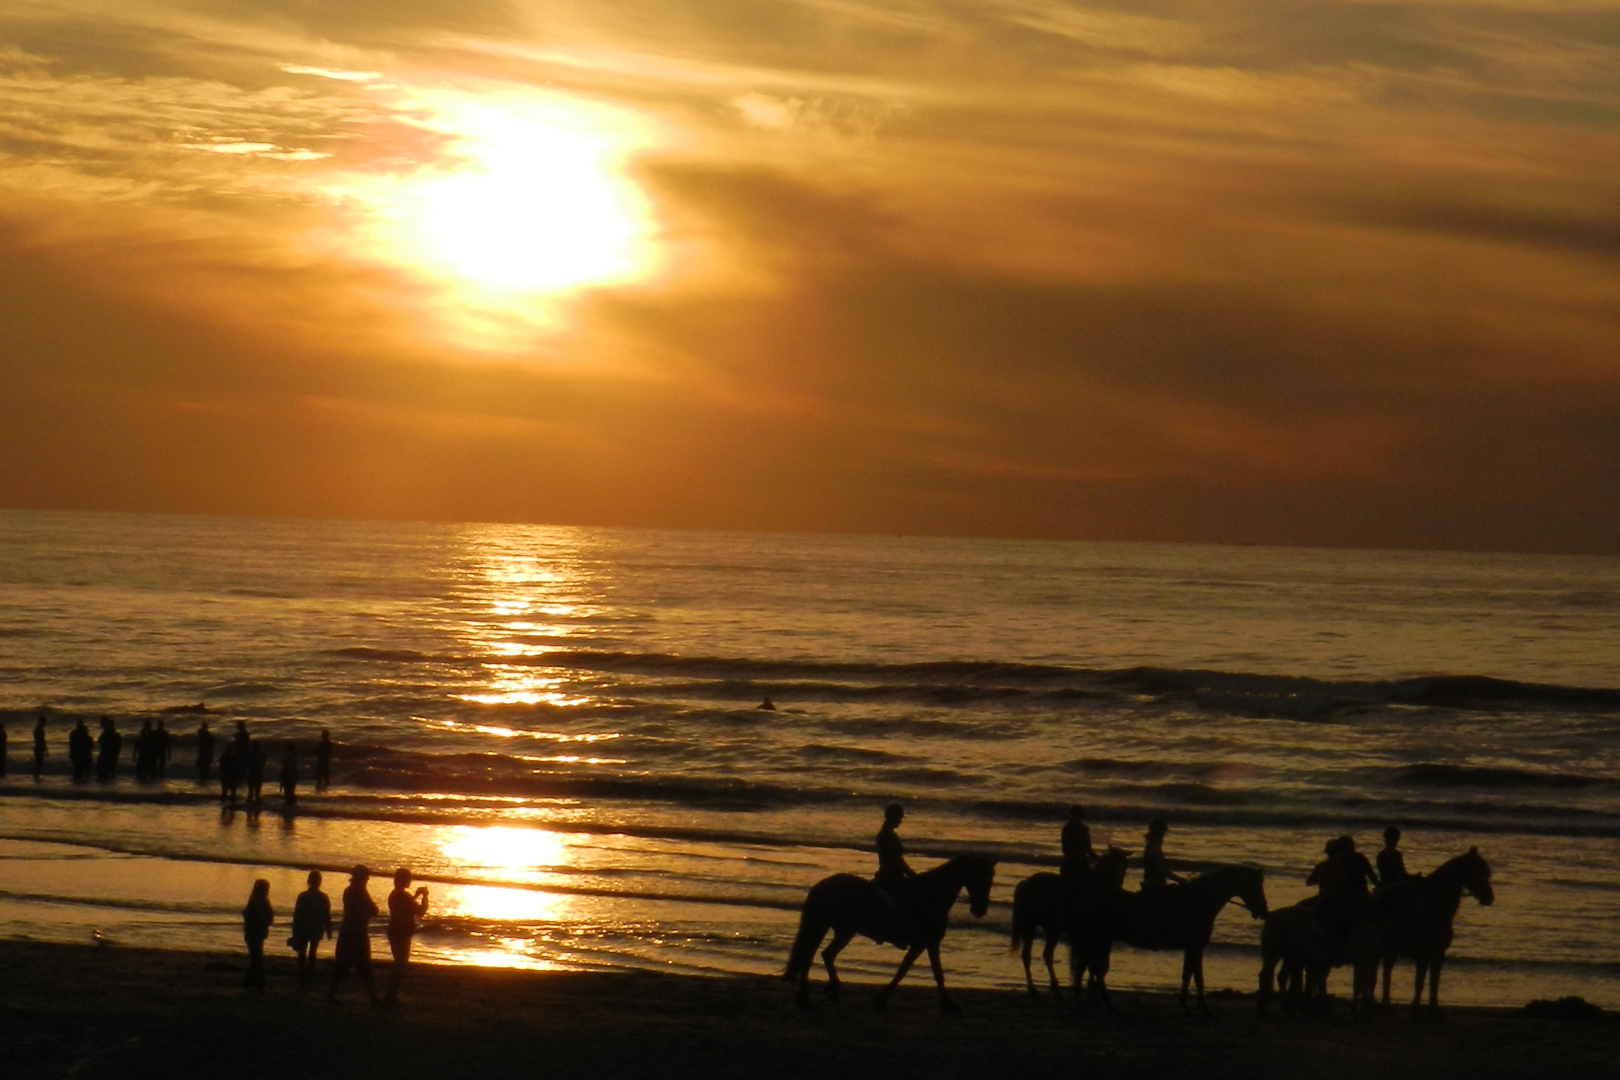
312,923
242,761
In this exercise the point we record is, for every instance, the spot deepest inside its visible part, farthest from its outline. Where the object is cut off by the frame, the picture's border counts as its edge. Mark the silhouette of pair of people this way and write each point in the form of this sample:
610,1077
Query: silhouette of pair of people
353,951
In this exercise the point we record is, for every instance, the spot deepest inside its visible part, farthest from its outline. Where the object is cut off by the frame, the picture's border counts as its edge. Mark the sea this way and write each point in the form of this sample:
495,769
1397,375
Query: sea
561,732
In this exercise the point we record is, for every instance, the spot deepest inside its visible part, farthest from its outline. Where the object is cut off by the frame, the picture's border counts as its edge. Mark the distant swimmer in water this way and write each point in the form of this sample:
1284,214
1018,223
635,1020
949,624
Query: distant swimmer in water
81,751
39,744
768,705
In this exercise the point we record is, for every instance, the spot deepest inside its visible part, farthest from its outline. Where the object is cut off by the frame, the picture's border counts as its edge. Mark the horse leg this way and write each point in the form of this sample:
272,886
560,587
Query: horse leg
1389,969
828,955
900,973
1051,972
1196,960
1434,987
1422,965
946,1005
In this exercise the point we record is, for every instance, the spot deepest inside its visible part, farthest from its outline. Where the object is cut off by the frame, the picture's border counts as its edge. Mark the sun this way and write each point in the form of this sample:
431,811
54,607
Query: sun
528,195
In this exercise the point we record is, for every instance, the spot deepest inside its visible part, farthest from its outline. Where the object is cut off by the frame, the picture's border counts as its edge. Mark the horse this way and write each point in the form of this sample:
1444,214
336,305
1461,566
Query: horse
1417,914
1295,938
1040,903
1170,917
849,905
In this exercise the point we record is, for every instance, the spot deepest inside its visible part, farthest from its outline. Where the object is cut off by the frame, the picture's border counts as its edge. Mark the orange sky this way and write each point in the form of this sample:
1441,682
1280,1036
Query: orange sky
1304,272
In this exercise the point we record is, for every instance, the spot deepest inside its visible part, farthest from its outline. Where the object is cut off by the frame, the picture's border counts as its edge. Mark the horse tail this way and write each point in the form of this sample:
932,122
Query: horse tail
1019,931
812,928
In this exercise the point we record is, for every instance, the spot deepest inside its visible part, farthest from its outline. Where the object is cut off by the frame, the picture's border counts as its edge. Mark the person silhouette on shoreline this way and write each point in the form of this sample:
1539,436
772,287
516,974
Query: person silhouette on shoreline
353,950
323,761
2,749
230,773
311,921
205,752
1391,862
107,747
1156,872
160,750
289,775
39,745
145,752
81,751
404,908
256,919
255,774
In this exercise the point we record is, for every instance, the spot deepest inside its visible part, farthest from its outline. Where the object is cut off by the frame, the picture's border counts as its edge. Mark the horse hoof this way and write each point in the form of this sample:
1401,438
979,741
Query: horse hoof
949,1007
880,1002
831,993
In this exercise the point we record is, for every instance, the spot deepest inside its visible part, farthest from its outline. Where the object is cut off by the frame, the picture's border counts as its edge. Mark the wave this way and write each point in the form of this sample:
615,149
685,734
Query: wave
1429,774
967,682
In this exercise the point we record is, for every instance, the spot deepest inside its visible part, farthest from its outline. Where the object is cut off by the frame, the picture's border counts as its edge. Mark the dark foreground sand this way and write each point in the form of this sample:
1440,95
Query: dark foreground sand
104,1012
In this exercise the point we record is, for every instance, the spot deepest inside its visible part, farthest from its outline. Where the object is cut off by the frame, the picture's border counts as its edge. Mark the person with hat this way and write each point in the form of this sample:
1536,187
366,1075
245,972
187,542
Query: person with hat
1156,872
354,935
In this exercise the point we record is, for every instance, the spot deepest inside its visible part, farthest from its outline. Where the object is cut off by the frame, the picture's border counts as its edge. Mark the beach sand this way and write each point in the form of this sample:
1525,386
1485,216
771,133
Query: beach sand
114,1012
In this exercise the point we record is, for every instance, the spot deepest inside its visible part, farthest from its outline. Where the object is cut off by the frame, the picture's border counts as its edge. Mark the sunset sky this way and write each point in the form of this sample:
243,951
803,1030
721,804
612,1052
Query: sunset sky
1254,271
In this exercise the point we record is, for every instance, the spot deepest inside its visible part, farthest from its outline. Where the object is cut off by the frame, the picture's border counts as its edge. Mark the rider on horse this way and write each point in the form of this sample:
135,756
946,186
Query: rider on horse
893,874
1391,863
1077,853
1156,872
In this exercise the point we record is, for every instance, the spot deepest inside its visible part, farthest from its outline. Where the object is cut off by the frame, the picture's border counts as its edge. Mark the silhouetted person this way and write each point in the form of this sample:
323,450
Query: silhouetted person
1156,872
893,875
289,774
230,773
1332,892
81,751
1077,852
404,908
256,920
1359,874
107,747
205,752
767,705
323,761
39,745
160,749
2,749
1391,863
311,921
354,935
255,774
145,753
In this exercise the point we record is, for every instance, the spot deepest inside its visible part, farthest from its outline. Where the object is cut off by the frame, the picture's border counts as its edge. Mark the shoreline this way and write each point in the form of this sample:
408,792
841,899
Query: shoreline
87,1011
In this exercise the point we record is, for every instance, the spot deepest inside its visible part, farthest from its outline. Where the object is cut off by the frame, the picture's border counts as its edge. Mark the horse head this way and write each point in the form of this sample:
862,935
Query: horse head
1477,877
1249,887
981,874
1109,873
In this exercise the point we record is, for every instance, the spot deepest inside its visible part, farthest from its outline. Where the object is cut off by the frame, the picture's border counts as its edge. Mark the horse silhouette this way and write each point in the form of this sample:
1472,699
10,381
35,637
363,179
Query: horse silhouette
1167,918
1417,914
1410,918
849,905
1040,904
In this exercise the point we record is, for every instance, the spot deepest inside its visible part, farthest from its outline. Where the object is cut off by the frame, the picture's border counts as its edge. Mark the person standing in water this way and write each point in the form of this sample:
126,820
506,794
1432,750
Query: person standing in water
107,748
289,775
256,920
311,921
205,752
404,908
354,935
81,751
39,745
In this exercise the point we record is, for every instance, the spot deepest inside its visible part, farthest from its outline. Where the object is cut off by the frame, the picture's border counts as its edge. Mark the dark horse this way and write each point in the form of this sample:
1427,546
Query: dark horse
849,905
1410,918
1417,914
1168,917
1040,904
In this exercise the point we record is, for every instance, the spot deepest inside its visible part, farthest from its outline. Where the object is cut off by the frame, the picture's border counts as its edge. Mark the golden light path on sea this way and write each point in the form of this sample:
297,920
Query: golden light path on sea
528,201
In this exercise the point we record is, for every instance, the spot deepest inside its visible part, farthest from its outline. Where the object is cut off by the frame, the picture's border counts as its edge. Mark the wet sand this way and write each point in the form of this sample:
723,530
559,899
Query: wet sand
114,1012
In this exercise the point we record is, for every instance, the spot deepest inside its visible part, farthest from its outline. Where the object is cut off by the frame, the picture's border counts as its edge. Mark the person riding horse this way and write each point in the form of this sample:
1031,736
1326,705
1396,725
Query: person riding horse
1391,863
1342,881
1078,855
894,876
1156,872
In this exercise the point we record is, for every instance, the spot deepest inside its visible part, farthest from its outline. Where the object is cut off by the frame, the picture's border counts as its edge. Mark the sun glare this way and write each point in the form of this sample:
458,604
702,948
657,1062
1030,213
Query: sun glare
528,198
